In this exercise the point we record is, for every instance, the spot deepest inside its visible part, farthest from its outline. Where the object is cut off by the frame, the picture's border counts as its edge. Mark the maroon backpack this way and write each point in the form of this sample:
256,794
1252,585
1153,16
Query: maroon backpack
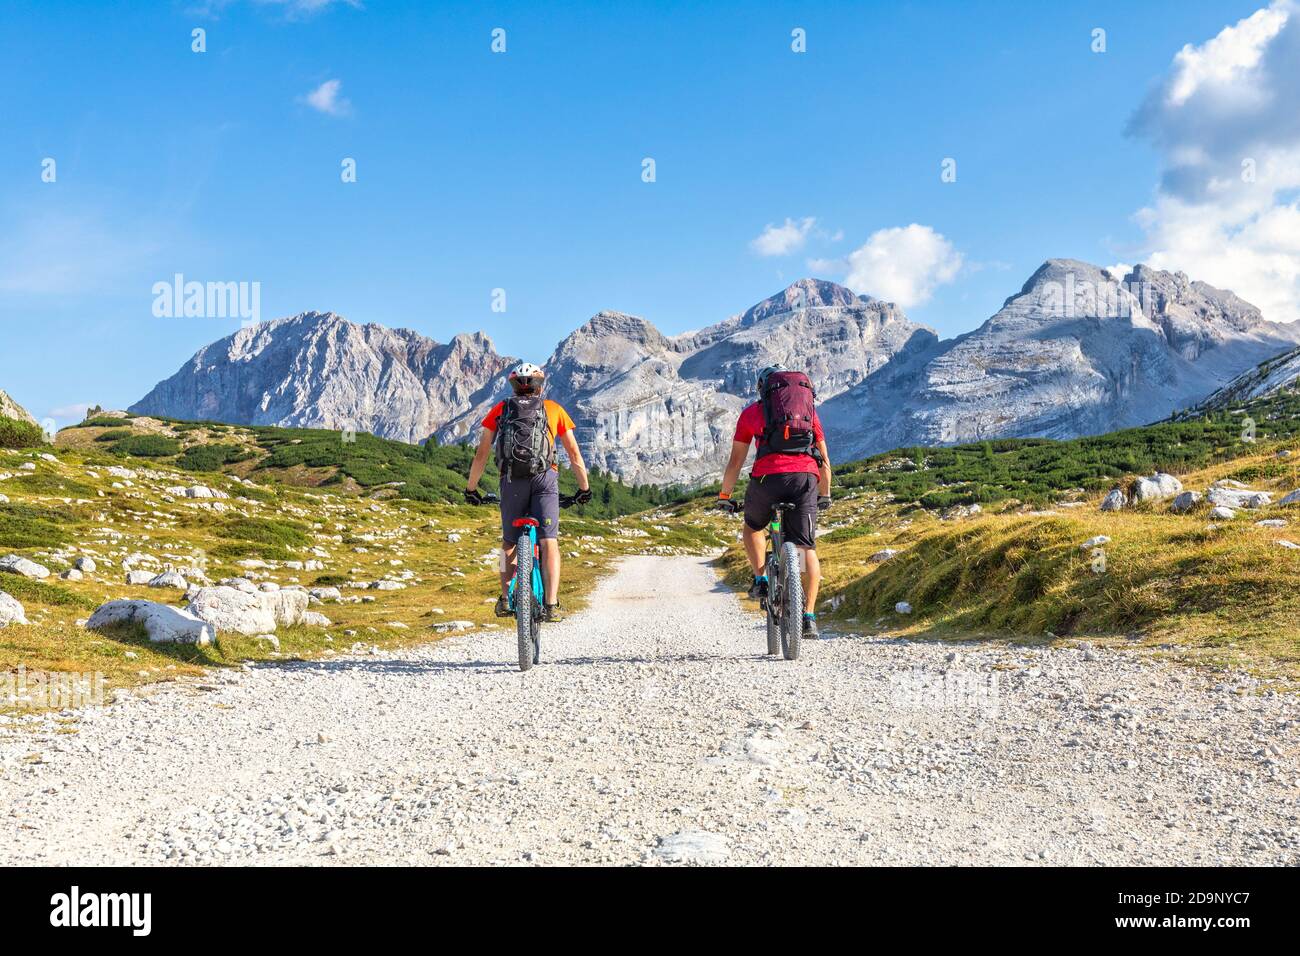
787,400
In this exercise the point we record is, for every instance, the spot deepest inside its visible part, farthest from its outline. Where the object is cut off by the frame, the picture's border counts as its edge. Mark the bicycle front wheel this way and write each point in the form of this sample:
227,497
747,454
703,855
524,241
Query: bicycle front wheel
791,603
524,601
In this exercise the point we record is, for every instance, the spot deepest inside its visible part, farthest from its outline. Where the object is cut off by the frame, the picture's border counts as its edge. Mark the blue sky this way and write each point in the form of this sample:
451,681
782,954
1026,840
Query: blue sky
523,170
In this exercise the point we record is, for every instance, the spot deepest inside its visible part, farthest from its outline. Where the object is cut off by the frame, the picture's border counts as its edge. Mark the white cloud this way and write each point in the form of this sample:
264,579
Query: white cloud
784,239
325,99
904,265
1225,120
74,412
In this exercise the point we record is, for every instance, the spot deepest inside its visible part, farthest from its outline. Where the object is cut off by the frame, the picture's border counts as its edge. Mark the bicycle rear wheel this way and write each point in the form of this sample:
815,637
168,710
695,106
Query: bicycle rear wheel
524,601
773,622
791,602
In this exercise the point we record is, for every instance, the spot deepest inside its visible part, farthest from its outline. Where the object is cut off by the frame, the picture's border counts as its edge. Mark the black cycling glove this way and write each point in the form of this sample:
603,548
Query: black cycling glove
823,502
473,497
583,496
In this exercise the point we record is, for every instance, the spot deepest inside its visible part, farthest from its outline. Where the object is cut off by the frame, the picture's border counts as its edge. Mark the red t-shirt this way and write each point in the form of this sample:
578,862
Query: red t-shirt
750,428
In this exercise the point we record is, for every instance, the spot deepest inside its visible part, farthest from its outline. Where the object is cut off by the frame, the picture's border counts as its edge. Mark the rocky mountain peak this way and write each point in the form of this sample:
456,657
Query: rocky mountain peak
11,409
801,294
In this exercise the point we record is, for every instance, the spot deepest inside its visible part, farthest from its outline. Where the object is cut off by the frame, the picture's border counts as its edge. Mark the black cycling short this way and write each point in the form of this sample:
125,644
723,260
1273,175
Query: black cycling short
798,488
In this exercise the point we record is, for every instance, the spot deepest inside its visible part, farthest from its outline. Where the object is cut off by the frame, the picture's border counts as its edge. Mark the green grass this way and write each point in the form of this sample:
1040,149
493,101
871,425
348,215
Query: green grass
41,592
282,534
29,526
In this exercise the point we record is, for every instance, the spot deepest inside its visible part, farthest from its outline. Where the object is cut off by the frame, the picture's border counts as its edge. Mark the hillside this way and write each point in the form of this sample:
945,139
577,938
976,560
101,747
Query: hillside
1007,540
101,527
314,457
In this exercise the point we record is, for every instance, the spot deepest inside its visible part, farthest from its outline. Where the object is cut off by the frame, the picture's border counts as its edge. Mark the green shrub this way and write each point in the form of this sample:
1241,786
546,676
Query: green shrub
105,421
147,446
16,434
212,457
114,434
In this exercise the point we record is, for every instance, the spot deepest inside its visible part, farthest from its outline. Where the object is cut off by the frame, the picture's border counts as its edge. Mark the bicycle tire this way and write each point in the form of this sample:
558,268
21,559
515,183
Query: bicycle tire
773,622
791,603
524,601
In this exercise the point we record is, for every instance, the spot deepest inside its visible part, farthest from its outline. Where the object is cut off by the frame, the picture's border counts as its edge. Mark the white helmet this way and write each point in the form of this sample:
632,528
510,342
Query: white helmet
526,375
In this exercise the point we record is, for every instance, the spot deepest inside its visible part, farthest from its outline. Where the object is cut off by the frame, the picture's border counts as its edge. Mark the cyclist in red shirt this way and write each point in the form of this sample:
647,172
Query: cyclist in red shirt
803,480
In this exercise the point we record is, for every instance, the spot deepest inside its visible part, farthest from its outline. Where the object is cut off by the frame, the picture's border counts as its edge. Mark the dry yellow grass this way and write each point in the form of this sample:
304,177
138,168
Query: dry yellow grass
1216,592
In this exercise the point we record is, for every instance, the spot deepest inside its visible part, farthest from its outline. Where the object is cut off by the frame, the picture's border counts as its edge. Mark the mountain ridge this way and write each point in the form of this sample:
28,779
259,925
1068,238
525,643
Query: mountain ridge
1078,350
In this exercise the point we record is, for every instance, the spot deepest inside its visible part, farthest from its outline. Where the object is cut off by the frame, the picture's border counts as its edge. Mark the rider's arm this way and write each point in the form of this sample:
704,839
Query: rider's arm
575,459
739,452
480,459
823,470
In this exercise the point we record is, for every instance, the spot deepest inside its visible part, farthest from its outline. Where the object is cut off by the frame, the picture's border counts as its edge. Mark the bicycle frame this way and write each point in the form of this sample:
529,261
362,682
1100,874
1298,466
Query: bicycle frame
538,585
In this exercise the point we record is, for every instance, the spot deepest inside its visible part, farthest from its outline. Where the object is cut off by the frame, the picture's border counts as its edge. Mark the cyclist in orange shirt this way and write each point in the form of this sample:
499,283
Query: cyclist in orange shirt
523,431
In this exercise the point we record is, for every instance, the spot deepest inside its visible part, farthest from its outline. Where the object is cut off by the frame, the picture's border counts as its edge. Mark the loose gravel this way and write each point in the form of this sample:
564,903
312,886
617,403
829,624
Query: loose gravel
656,732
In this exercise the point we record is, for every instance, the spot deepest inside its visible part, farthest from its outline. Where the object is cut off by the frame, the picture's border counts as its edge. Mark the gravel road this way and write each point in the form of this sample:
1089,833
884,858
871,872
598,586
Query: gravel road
657,732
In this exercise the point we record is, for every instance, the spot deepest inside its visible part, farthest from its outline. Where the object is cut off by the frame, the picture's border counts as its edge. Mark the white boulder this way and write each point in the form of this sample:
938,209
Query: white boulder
315,619
168,579
139,577
1229,496
1156,488
286,605
11,611
1114,500
883,555
229,609
1222,513
902,607
325,594
85,565
1291,498
1185,502
14,564
1094,542
164,624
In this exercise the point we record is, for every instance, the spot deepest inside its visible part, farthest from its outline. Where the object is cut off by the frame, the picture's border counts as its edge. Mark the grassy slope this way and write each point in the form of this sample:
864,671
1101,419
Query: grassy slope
318,457
1220,592
72,507
1216,591
1038,470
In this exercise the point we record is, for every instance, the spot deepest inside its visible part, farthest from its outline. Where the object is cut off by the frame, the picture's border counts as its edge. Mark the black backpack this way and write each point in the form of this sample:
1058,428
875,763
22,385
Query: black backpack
523,444
788,401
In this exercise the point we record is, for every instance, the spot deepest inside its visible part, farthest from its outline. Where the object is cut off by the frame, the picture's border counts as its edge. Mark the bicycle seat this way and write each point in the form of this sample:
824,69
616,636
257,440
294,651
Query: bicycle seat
525,523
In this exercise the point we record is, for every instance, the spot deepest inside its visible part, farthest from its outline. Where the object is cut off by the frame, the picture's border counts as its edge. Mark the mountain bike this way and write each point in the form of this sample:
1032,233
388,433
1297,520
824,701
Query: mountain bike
783,605
526,603
784,602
